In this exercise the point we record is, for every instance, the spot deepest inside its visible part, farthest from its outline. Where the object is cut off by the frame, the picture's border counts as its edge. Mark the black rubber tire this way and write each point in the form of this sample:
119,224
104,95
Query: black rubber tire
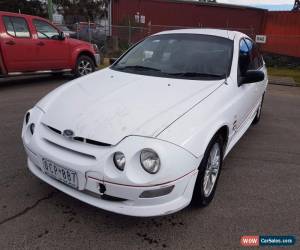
80,59
258,112
199,199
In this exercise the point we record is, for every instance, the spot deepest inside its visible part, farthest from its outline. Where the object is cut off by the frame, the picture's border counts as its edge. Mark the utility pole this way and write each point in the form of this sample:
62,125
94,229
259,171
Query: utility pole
50,10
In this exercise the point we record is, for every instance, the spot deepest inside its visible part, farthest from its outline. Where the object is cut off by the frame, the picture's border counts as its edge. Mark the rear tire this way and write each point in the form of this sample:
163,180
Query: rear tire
84,66
209,172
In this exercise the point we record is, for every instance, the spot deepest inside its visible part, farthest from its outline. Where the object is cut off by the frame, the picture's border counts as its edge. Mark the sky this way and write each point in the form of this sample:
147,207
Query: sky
269,4
258,2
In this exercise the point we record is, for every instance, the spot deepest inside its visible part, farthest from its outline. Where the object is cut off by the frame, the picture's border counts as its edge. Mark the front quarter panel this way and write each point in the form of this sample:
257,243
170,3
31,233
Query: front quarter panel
77,48
195,129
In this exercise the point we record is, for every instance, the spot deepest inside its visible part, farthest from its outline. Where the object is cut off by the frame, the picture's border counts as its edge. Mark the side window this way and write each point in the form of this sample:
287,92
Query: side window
45,30
8,26
244,58
255,57
16,26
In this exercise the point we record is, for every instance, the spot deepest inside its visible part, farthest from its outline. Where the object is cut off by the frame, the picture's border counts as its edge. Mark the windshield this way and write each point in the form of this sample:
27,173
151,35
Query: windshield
186,56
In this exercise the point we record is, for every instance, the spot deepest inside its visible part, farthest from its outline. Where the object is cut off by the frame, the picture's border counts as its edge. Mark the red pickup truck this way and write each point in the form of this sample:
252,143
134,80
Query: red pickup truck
33,45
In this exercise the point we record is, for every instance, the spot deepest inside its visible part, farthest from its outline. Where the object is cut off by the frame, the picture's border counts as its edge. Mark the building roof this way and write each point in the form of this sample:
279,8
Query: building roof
224,5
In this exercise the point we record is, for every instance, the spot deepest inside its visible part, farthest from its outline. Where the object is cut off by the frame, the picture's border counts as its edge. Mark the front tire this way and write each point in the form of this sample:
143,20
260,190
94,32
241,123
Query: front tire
84,65
209,172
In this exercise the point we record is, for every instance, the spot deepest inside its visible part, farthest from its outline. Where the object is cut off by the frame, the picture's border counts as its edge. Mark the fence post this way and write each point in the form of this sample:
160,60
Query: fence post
77,29
129,32
89,29
252,33
149,27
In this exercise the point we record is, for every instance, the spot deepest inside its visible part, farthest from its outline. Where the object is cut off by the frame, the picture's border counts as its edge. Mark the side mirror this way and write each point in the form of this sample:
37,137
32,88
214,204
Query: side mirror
252,76
62,36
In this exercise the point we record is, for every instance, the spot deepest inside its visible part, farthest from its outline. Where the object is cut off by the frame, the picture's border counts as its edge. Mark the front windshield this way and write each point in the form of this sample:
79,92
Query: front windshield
186,56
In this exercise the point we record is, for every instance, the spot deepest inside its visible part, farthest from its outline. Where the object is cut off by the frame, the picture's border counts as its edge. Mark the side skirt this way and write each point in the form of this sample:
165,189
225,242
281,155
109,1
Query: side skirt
40,72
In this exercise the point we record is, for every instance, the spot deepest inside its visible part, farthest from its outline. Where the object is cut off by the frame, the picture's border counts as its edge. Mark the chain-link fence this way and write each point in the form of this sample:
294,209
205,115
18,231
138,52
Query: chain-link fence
114,40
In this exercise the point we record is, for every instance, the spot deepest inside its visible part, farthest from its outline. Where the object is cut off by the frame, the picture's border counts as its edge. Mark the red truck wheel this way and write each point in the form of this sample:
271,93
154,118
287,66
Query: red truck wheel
84,65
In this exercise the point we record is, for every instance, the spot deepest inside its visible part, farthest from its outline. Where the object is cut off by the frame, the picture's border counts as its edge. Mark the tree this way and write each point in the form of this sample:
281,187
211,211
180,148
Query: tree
31,7
87,9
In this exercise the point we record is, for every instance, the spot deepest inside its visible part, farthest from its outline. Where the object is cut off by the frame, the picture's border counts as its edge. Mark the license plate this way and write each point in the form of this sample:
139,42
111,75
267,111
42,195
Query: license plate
62,174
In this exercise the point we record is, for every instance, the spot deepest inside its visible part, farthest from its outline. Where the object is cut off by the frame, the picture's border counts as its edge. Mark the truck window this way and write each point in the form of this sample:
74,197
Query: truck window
16,26
45,30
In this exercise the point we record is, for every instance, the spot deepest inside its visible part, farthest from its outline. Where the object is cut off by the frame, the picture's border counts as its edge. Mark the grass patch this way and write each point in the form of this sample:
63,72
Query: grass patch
285,72
103,66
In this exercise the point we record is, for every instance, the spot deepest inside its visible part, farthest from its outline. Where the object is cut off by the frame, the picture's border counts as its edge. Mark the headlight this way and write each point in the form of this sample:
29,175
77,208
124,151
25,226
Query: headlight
119,160
150,161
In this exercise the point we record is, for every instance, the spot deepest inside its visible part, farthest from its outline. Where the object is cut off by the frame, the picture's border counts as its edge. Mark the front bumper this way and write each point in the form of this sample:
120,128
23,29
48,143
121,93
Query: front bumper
94,167
179,198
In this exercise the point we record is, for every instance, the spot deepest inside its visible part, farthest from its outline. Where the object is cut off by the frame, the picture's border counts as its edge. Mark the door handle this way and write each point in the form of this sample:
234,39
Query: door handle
10,42
40,44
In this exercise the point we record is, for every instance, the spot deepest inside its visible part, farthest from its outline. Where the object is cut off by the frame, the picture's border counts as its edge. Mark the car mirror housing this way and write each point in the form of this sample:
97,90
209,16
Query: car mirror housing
62,36
252,76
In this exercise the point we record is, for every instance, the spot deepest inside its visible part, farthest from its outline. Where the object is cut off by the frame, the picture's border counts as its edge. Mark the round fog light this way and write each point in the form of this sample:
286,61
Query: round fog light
119,160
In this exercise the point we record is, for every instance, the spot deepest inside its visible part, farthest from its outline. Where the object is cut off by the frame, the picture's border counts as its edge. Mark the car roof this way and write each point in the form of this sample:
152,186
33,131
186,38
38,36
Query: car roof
213,32
20,15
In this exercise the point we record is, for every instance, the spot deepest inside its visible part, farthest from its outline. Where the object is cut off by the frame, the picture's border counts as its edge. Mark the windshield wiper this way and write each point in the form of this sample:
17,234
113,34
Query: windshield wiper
196,74
138,67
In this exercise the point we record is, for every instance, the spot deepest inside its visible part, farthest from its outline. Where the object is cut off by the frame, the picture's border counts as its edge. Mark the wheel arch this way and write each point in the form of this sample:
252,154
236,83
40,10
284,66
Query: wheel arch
222,130
77,53
87,53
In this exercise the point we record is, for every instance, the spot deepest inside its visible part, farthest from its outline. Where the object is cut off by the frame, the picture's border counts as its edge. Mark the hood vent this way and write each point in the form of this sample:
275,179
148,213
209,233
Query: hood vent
80,139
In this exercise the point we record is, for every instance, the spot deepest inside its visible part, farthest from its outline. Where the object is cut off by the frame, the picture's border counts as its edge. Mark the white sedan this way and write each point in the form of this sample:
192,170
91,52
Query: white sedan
148,135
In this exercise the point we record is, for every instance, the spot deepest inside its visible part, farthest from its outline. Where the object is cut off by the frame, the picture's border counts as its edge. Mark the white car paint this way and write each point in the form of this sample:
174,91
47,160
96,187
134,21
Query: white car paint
176,118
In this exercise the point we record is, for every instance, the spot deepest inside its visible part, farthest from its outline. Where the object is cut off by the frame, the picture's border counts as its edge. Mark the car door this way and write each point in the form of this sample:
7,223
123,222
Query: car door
246,94
17,45
257,63
52,52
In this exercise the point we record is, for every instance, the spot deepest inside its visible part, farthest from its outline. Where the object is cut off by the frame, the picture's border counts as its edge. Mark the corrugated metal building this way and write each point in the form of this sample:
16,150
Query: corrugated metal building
281,28
283,33
188,14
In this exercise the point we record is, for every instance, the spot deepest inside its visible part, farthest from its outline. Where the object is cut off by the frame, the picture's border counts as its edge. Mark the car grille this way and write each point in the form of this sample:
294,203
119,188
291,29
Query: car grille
80,139
70,150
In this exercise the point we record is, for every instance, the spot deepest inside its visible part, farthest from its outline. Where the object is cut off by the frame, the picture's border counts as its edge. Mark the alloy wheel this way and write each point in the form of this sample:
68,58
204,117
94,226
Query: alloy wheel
212,170
85,67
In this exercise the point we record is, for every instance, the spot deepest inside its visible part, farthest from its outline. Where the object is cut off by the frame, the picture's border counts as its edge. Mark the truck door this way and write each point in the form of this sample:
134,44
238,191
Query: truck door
17,45
52,52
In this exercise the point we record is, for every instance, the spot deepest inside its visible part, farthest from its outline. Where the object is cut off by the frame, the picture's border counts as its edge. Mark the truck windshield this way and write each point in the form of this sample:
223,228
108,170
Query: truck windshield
188,56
